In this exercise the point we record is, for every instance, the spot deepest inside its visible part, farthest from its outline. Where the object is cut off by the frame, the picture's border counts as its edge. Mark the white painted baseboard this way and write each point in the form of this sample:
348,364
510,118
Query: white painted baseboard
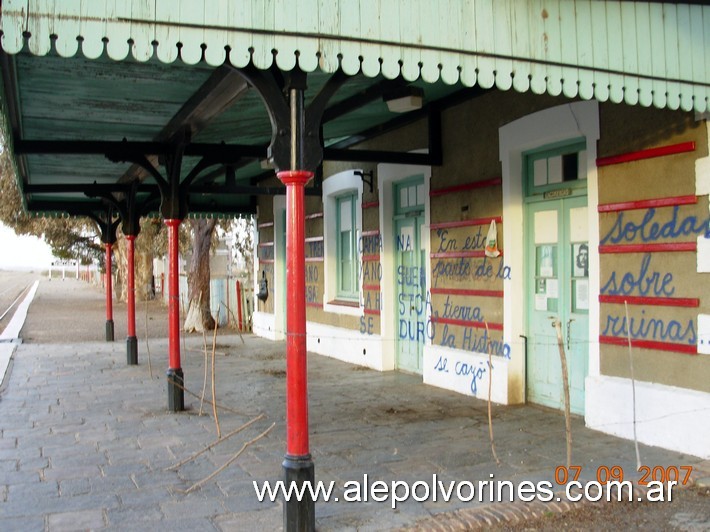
466,372
345,344
666,416
263,324
335,342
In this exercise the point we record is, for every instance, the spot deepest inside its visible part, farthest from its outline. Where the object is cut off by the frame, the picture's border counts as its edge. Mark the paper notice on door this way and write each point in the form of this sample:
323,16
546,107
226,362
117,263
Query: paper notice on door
552,289
581,294
540,302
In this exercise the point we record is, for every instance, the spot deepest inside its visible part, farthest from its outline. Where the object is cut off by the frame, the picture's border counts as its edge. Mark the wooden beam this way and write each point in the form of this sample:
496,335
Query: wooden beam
221,90
225,152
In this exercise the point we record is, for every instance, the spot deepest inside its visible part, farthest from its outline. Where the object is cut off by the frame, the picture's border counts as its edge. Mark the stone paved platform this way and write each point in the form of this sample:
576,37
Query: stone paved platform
85,440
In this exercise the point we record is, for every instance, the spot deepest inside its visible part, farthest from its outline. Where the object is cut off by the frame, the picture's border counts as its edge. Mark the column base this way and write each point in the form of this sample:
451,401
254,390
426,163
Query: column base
299,515
109,330
176,395
132,350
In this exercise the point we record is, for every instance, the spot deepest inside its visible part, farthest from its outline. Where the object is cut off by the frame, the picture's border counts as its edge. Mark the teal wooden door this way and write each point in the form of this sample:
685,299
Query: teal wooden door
410,275
557,288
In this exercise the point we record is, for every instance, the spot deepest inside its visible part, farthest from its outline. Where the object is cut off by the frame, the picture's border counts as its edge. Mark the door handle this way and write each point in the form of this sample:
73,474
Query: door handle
569,326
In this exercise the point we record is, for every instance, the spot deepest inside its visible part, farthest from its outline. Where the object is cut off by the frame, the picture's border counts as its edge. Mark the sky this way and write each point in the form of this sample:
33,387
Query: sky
22,252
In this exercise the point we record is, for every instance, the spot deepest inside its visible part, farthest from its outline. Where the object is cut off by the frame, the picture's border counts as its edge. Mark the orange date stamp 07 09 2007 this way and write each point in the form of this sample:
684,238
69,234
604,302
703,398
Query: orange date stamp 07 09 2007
678,474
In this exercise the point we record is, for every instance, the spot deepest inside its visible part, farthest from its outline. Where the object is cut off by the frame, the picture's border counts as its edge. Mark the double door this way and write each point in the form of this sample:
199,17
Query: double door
557,291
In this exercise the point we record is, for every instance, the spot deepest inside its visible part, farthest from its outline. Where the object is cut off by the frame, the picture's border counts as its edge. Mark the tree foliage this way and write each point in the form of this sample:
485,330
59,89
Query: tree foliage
243,245
69,238
79,238
205,236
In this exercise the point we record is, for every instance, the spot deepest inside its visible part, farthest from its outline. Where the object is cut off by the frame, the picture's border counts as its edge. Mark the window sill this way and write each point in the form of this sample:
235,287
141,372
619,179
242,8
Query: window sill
340,306
344,303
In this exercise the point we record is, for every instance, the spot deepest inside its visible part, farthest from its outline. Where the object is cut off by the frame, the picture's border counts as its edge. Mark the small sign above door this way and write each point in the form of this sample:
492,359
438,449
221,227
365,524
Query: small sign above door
559,193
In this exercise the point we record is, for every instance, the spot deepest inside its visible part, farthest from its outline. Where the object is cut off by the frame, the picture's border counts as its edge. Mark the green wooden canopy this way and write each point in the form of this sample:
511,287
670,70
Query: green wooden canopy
80,77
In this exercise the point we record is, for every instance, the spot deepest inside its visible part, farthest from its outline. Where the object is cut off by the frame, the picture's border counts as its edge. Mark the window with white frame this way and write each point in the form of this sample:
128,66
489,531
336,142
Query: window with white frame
342,225
346,251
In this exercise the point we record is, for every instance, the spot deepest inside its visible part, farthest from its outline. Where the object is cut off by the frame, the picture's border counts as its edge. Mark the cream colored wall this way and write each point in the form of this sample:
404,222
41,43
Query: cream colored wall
471,153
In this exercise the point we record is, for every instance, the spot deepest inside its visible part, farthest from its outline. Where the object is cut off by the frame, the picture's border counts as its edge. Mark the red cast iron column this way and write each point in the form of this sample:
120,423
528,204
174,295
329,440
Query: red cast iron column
176,397
298,465
131,340
296,365
109,296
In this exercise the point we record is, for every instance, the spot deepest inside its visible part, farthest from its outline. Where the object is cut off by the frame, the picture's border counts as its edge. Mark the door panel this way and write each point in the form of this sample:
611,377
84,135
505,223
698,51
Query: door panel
411,290
557,289
410,276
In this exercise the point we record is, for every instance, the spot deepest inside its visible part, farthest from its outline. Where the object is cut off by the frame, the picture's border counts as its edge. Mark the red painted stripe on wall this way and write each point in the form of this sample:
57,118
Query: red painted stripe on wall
650,344
314,216
265,244
370,258
315,304
648,204
467,292
266,261
265,225
460,254
468,186
374,232
372,311
649,248
314,239
687,302
661,151
466,323
314,259
371,205
466,223
373,287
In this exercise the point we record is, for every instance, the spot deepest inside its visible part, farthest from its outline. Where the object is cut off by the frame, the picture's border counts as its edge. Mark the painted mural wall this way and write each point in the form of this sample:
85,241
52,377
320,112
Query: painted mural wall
651,217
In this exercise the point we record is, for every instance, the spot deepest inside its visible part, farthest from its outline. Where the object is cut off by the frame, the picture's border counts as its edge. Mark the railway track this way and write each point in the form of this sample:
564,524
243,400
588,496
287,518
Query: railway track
14,286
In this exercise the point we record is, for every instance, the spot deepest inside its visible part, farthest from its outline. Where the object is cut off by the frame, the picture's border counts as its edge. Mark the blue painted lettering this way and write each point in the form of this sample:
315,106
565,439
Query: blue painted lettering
484,344
462,312
370,245
372,303
476,371
445,244
453,270
649,230
311,273
644,283
477,241
371,272
441,365
314,249
311,294
411,276
404,242
367,324
651,329
447,338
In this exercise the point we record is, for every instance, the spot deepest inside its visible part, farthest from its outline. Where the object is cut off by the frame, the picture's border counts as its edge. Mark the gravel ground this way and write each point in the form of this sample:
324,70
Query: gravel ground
82,318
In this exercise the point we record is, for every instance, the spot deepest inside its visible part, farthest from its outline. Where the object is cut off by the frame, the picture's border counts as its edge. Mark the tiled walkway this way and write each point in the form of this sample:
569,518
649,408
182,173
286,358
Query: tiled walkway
86,440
